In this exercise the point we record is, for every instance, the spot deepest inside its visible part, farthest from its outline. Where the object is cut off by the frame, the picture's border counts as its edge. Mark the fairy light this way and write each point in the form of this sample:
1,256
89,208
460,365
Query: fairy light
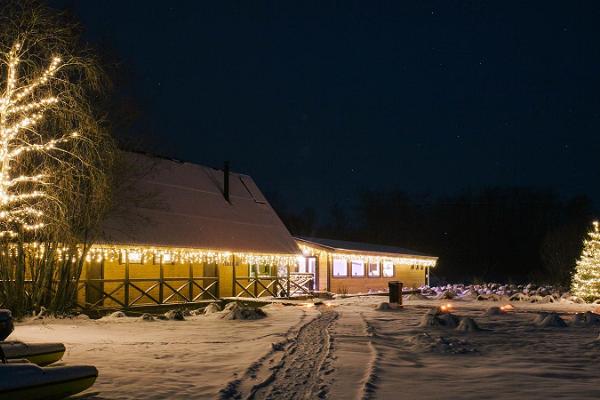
401,260
134,254
586,279
21,109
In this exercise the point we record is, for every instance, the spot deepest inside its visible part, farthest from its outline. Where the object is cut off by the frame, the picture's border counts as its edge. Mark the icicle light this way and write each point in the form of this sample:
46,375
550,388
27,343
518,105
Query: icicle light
398,260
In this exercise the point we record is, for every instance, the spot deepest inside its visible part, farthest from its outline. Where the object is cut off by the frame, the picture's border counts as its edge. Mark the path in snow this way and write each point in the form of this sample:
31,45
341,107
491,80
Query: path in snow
298,369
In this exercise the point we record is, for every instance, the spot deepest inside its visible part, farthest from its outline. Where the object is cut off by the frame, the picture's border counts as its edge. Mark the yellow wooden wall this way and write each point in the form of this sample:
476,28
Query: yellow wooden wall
411,277
149,274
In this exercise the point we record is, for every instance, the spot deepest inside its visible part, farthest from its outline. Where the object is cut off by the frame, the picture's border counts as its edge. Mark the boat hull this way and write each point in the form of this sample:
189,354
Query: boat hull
30,382
41,354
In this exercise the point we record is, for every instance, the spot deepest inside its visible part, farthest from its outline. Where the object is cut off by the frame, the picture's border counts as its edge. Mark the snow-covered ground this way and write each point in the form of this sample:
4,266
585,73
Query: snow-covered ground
347,348
191,359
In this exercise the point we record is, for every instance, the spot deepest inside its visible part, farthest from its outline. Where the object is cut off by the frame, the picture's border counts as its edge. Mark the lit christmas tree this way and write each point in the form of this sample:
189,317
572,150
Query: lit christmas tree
586,280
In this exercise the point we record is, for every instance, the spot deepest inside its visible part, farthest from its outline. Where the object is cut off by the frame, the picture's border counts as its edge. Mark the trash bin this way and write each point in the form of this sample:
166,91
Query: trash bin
6,324
395,288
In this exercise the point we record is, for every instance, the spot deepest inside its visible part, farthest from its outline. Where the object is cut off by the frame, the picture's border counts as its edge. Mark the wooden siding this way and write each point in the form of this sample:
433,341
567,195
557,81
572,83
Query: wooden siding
410,277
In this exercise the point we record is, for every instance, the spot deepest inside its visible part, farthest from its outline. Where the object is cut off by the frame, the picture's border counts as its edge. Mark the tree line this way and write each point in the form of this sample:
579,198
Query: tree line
507,234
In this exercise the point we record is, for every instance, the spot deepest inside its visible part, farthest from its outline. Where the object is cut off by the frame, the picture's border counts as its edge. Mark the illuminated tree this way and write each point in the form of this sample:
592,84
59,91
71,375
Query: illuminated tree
586,280
23,103
55,156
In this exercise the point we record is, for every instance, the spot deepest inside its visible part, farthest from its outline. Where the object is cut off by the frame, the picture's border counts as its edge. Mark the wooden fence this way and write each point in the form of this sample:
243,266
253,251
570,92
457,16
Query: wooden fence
138,292
293,284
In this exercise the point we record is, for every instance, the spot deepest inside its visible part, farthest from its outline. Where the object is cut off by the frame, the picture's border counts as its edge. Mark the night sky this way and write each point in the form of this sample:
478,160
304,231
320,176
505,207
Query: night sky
319,100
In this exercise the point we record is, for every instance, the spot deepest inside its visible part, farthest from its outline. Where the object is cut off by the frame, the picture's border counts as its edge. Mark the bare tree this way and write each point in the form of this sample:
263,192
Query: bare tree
55,156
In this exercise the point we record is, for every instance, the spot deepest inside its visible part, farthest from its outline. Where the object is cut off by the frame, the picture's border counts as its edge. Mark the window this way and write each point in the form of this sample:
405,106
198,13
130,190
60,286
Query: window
260,270
131,257
374,270
312,265
301,264
388,269
340,267
358,268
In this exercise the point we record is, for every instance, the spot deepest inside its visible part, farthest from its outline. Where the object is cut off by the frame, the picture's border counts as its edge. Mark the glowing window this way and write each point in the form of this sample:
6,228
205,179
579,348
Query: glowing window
358,268
340,267
374,270
388,269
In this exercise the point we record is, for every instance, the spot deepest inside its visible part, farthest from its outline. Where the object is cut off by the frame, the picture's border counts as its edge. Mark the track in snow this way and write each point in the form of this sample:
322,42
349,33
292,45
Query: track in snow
293,370
303,369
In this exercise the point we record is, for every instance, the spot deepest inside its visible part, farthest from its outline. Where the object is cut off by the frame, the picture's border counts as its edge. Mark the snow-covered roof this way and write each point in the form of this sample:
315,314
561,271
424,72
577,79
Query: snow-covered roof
342,245
181,204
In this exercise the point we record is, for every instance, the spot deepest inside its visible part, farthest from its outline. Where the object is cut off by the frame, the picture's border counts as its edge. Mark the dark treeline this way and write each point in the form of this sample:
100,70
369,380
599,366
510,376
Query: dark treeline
499,234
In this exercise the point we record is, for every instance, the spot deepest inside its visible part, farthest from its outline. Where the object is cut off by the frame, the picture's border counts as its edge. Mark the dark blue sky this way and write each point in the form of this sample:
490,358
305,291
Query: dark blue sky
319,100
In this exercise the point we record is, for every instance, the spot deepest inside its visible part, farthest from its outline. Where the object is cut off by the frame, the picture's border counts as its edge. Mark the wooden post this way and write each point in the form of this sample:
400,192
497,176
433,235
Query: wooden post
191,282
255,280
218,278
233,276
161,281
289,284
126,287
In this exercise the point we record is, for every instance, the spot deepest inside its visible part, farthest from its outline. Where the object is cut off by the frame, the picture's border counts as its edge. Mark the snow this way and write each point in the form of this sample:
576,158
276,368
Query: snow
346,348
191,359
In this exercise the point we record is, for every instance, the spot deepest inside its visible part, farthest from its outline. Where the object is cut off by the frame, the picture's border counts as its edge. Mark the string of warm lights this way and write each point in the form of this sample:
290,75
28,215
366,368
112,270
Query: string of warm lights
21,109
152,255
400,260
586,279
140,255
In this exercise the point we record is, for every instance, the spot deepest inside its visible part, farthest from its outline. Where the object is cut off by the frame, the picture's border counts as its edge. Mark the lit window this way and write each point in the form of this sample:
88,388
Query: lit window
374,270
301,264
358,268
134,257
388,269
260,270
312,265
340,267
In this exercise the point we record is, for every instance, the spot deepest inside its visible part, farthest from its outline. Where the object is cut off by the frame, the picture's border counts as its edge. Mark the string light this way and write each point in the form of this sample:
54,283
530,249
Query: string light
401,260
586,280
21,109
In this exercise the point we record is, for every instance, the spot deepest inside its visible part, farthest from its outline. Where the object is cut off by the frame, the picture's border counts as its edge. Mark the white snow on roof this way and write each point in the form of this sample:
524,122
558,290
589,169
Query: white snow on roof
188,209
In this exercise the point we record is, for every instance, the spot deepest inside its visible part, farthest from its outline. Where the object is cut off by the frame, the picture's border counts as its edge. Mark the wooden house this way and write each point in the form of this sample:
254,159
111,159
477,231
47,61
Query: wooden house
351,267
190,233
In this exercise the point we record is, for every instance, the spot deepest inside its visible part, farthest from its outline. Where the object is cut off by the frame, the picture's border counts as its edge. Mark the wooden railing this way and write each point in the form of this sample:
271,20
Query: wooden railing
292,285
178,290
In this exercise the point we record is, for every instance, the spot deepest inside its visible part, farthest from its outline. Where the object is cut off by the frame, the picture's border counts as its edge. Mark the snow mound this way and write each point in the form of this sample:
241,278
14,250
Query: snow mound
197,311
519,297
468,325
552,320
587,318
433,318
427,343
489,297
387,307
174,315
235,311
494,311
449,320
416,296
211,309
446,294
147,317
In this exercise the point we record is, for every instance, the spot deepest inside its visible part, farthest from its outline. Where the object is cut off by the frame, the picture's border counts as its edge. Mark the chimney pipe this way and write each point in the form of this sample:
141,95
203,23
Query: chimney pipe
226,180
